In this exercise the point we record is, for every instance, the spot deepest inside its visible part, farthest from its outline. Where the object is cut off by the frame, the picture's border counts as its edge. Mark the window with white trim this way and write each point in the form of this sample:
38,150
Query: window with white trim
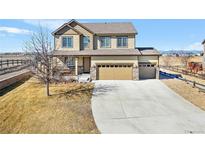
122,41
70,61
86,41
105,42
67,42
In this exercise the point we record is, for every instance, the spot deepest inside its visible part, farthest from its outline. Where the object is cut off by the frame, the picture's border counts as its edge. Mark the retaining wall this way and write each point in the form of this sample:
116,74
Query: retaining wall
14,79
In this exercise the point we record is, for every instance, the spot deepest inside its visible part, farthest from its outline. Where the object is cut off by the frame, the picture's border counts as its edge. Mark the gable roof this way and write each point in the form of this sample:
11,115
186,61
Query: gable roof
103,28
64,25
73,20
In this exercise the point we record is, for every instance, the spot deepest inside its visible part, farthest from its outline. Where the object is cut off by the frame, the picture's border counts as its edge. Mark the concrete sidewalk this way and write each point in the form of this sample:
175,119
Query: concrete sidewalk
146,106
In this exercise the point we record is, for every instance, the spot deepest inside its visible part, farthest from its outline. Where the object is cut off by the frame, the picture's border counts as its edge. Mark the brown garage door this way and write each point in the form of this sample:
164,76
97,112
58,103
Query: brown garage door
115,72
147,71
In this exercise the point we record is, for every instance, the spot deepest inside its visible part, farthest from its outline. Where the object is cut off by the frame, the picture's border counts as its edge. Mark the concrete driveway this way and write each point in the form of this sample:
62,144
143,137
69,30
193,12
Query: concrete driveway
146,106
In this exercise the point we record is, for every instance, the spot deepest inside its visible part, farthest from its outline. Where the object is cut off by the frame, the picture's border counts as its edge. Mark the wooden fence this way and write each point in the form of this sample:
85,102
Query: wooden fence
12,62
194,84
184,71
10,65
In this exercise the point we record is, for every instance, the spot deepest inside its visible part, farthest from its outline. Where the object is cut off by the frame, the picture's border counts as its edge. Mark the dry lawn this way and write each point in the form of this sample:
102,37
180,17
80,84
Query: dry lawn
177,61
185,90
26,109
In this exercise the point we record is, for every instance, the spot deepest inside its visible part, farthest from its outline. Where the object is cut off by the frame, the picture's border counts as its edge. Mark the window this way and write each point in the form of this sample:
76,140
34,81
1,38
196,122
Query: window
86,41
105,42
70,61
122,41
67,42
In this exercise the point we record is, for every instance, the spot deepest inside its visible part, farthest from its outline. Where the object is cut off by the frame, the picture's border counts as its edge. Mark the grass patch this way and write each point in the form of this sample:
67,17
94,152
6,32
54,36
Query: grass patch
187,91
27,109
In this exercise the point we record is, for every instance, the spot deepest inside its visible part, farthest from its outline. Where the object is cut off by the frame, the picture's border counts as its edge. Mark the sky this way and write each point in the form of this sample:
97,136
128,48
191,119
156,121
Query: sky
161,34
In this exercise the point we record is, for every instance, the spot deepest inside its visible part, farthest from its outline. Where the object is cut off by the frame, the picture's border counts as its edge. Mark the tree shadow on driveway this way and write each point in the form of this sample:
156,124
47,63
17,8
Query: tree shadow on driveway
103,89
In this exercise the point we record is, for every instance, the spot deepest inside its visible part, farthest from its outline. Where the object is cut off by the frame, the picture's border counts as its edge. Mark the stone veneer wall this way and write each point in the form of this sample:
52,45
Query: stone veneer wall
14,79
157,72
135,72
93,72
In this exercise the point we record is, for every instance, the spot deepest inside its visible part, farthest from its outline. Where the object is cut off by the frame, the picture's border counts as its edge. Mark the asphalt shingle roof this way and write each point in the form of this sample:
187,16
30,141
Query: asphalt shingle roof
107,52
100,52
111,28
148,51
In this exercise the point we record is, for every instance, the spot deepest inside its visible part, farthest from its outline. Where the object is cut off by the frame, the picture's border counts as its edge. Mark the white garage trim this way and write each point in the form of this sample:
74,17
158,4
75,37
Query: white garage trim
115,72
147,71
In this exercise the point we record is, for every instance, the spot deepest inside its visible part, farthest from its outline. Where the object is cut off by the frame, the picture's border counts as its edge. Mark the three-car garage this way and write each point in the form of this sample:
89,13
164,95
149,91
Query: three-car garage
125,71
125,67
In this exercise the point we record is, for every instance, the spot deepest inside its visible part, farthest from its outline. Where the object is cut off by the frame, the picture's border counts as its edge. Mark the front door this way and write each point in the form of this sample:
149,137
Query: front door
86,64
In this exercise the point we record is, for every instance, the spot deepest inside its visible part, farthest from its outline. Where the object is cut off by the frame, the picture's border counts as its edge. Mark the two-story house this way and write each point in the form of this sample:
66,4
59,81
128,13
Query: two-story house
107,51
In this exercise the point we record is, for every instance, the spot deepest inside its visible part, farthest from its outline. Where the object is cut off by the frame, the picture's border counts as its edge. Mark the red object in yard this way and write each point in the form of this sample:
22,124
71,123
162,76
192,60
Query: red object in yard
195,67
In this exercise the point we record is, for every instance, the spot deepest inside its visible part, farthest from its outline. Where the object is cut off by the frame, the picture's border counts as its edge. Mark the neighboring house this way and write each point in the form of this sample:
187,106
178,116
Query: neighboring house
203,62
105,50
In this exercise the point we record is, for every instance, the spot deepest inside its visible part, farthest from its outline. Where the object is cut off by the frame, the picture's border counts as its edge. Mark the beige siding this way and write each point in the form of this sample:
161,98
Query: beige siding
114,59
85,33
77,40
80,61
131,42
58,42
151,59
59,61
94,40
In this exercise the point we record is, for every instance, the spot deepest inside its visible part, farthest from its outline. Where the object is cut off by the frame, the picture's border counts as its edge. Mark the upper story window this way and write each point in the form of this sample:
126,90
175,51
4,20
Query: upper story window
122,41
105,42
86,41
67,42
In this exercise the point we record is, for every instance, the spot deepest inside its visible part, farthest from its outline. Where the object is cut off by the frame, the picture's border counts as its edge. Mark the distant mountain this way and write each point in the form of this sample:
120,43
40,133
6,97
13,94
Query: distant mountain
181,52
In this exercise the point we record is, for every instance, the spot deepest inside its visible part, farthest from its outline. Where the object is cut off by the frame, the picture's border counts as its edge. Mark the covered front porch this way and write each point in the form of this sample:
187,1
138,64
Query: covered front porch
64,66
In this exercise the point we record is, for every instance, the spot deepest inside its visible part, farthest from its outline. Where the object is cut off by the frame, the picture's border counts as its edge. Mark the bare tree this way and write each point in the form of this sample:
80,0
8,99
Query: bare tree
39,49
184,60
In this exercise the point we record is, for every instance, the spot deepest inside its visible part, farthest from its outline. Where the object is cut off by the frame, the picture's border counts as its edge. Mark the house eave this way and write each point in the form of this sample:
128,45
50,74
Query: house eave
108,52
105,52
66,24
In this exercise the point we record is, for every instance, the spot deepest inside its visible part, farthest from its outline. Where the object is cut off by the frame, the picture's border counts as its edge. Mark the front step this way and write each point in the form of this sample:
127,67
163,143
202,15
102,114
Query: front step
84,78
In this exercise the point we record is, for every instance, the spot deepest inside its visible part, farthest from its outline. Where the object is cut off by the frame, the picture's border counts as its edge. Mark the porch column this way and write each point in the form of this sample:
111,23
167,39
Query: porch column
76,65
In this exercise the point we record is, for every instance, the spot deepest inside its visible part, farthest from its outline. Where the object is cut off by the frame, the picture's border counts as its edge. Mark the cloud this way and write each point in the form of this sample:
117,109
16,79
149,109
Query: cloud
195,46
51,24
14,30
